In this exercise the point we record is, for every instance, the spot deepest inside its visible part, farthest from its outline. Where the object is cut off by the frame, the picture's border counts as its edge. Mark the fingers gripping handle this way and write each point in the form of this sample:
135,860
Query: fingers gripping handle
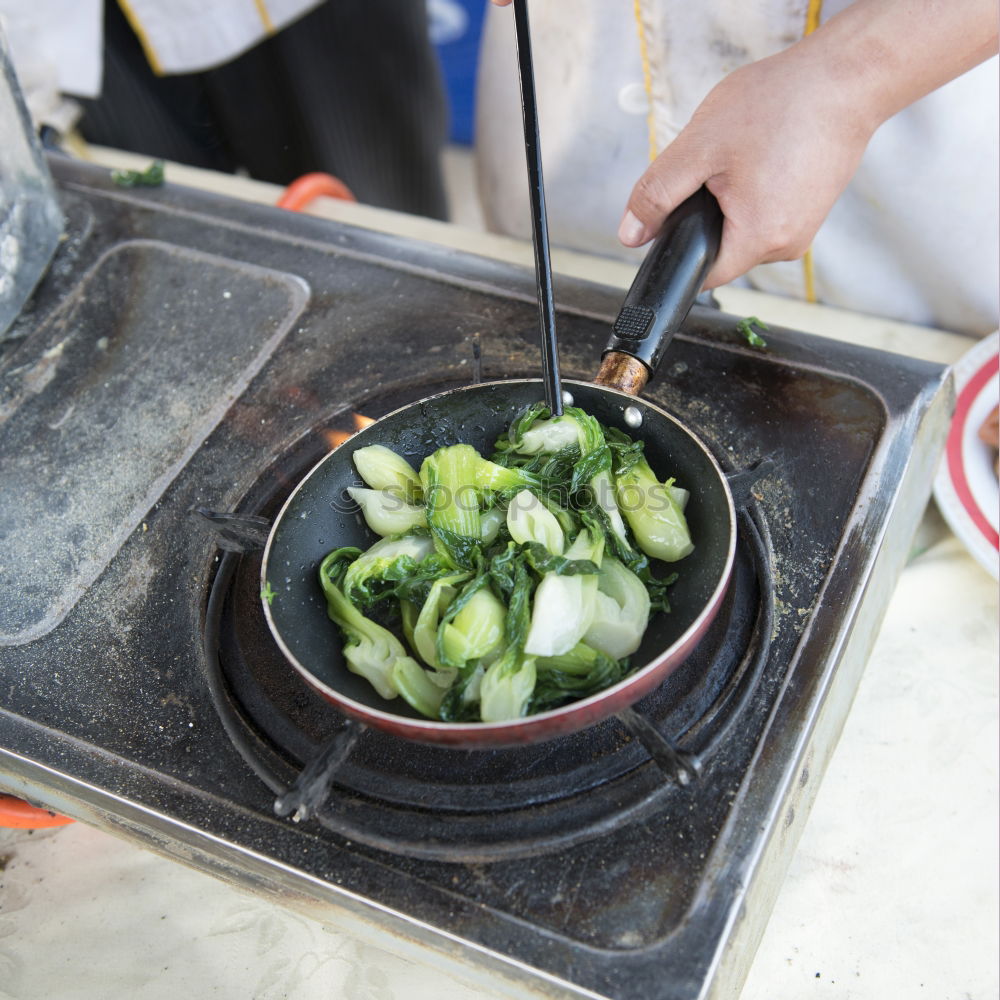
669,279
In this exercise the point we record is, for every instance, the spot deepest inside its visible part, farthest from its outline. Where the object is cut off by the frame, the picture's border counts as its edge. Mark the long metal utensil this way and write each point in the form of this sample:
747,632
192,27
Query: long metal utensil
539,221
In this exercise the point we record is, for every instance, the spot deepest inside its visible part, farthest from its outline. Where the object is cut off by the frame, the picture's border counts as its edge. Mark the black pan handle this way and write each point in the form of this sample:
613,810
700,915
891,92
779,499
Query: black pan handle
669,279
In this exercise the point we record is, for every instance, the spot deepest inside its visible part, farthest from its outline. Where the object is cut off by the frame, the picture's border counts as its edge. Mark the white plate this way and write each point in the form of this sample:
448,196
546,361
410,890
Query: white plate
966,487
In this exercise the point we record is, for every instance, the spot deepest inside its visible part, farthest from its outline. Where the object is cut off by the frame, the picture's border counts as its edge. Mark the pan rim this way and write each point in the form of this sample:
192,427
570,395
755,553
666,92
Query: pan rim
479,732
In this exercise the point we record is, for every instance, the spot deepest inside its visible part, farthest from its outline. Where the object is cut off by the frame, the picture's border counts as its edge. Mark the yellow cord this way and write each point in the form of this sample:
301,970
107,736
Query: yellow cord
265,16
147,46
809,276
808,266
647,78
813,15
140,32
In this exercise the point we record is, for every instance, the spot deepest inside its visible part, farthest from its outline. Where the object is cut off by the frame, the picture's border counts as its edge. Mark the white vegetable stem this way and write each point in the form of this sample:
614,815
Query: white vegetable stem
621,611
529,520
386,512
377,560
564,605
655,513
383,469
504,693
550,436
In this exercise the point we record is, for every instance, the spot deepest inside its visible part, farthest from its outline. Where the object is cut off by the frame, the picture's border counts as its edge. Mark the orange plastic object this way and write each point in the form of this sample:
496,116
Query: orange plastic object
22,815
300,192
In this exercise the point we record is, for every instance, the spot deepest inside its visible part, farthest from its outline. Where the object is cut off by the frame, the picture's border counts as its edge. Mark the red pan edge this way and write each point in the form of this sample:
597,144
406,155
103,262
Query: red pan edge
550,725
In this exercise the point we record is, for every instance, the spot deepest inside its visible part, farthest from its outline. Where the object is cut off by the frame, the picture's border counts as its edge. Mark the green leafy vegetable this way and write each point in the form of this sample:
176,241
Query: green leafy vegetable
654,513
382,469
745,328
550,436
529,520
152,176
369,649
491,521
580,672
423,638
506,688
386,512
472,628
387,562
448,478
621,611
521,582
564,602
417,687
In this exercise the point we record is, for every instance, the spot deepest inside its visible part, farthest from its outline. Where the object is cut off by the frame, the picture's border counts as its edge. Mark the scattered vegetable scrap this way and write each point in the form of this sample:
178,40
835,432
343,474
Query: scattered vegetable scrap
512,584
745,328
152,176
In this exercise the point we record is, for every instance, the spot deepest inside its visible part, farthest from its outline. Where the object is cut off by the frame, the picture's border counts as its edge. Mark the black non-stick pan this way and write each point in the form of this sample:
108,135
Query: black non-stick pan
315,519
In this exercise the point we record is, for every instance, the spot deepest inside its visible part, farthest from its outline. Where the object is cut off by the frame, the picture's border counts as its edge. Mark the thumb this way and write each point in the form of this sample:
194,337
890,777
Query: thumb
670,178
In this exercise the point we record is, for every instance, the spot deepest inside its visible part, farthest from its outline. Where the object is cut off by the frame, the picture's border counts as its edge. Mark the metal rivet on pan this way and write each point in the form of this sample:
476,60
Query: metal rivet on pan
567,397
633,416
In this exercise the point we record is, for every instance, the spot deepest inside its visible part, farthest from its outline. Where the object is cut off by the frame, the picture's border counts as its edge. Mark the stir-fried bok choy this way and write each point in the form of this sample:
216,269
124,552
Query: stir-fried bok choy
510,585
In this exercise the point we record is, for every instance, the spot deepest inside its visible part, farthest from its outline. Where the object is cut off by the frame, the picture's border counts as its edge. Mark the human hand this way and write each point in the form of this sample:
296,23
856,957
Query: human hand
776,142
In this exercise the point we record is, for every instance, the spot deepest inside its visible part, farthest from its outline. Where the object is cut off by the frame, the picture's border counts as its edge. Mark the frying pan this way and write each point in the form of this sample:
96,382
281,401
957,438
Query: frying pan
316,519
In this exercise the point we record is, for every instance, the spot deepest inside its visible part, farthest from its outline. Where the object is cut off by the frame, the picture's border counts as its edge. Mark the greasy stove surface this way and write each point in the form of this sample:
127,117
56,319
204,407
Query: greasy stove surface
180,346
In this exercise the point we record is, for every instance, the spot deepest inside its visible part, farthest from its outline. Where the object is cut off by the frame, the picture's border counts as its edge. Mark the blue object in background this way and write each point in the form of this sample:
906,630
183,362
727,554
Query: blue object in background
455,27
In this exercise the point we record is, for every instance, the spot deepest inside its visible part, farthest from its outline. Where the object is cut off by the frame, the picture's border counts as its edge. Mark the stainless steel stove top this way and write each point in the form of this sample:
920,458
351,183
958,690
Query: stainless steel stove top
187,351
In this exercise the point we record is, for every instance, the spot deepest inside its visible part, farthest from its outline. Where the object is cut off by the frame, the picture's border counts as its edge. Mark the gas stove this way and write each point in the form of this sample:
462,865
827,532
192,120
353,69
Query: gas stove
189,357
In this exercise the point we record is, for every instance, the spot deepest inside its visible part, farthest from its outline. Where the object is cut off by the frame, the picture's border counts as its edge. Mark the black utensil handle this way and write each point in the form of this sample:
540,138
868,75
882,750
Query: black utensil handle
669,279
539,217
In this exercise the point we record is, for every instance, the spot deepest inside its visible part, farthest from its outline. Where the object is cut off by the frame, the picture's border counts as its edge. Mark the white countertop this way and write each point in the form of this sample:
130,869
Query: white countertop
892,892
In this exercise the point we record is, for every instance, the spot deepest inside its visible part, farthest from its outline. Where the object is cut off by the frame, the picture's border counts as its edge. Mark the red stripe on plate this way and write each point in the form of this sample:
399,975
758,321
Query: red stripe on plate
956,467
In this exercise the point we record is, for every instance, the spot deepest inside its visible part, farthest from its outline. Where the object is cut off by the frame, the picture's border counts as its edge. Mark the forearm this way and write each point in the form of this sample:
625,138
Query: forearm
890,53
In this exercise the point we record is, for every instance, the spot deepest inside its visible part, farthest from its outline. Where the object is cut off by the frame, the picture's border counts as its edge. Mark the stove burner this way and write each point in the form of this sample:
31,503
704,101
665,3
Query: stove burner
459,805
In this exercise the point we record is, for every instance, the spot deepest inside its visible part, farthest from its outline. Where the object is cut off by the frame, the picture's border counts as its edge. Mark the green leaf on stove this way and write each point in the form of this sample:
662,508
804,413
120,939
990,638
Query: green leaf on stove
745,328
152,176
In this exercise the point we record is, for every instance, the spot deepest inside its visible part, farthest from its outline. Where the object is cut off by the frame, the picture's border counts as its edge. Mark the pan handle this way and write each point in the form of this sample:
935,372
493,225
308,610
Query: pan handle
668,281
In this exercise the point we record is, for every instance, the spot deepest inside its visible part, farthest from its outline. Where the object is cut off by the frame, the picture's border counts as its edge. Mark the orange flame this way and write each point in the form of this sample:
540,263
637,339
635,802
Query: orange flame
336,436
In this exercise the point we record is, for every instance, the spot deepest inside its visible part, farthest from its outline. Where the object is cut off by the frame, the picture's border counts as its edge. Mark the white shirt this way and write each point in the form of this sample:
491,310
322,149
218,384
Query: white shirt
64,38
914,236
